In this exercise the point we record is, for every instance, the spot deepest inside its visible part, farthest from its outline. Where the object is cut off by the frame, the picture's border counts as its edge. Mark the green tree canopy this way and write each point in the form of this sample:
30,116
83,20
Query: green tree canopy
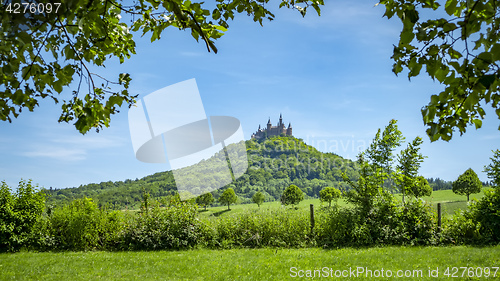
258,198
228,197
205,199
292,195
458,43
380,152
42,53
409,163
467,183
493,169
420,188
329,194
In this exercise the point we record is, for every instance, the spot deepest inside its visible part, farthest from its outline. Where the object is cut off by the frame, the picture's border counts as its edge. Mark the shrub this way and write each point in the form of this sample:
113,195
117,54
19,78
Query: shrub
419,220
479,224
263,228
386,223
335,227
19,213
462,228
81,225
487,214
173,227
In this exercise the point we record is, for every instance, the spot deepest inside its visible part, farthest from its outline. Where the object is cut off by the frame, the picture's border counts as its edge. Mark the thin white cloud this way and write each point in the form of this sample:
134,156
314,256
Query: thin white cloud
57,153
71,148
91,142
490,137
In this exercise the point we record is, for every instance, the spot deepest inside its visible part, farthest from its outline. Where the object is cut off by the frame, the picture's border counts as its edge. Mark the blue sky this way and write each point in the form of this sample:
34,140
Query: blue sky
330,76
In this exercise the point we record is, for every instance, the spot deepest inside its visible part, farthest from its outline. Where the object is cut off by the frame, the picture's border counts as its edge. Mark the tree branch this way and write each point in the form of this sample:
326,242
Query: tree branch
80,59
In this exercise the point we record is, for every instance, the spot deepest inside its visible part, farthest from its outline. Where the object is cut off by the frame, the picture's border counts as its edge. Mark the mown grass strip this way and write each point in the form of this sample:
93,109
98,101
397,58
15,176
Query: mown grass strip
243,264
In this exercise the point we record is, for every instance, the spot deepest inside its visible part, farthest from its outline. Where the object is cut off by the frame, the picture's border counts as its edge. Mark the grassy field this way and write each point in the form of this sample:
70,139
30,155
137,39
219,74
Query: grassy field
248,264
449,200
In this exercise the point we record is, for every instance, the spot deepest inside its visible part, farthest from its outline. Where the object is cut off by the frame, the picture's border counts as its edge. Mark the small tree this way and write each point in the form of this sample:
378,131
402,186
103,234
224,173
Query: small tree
329,194
420,188
228,197
368,186
205,199
292,195
409,163
467,184
493,169
258,198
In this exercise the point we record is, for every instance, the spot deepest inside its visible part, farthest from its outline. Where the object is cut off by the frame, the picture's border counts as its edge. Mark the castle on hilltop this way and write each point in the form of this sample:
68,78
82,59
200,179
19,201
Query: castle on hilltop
273,130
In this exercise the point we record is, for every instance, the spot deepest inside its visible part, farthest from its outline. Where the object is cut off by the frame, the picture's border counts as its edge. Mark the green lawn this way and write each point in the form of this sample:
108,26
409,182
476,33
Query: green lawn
245,264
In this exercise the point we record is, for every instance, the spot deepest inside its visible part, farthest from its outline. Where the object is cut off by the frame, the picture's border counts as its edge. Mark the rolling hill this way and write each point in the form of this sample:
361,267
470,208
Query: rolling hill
274,163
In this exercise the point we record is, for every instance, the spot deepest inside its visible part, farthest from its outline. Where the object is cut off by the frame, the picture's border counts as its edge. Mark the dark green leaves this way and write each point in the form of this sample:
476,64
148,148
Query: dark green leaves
452,8
85,33
460,51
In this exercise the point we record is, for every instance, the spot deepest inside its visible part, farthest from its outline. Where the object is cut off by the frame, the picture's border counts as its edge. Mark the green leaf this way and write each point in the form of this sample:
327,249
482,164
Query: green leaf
495,51
487,80
451,7
478,123
58,86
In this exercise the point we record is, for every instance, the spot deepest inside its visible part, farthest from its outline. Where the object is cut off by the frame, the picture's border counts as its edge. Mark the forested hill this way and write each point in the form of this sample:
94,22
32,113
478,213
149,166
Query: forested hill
274,164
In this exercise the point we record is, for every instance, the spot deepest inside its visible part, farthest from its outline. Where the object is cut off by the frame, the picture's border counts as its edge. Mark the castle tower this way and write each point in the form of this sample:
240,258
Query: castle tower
271,130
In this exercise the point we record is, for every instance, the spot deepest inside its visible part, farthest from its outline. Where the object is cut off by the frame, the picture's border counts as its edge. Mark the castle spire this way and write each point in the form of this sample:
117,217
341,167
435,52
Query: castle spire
289,125
269,121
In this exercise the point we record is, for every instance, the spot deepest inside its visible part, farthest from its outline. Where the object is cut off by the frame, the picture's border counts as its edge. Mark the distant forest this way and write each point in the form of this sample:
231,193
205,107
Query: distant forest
274,164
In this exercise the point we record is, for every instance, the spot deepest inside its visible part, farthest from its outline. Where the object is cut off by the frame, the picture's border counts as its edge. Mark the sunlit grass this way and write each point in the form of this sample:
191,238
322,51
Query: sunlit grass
449,200
238,264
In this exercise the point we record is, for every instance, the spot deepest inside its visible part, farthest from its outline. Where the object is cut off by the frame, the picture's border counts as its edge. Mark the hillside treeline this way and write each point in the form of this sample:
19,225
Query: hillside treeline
274,164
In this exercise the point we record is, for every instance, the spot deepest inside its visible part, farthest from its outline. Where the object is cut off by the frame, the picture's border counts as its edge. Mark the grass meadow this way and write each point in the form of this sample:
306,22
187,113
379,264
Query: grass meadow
450,202
375,263
253,264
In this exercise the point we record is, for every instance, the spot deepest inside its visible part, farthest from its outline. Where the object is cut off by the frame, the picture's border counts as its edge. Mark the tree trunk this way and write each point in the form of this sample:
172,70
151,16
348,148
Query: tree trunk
468,197
228,206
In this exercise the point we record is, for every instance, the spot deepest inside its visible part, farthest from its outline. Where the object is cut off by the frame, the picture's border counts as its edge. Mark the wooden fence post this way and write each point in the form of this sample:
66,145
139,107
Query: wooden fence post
312,217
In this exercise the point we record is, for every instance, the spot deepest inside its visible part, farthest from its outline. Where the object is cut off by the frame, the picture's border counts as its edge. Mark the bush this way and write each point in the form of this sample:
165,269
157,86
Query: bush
263,228
487,214
479,224
81,225
420,223
386,223
335,227
19,213
173,227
